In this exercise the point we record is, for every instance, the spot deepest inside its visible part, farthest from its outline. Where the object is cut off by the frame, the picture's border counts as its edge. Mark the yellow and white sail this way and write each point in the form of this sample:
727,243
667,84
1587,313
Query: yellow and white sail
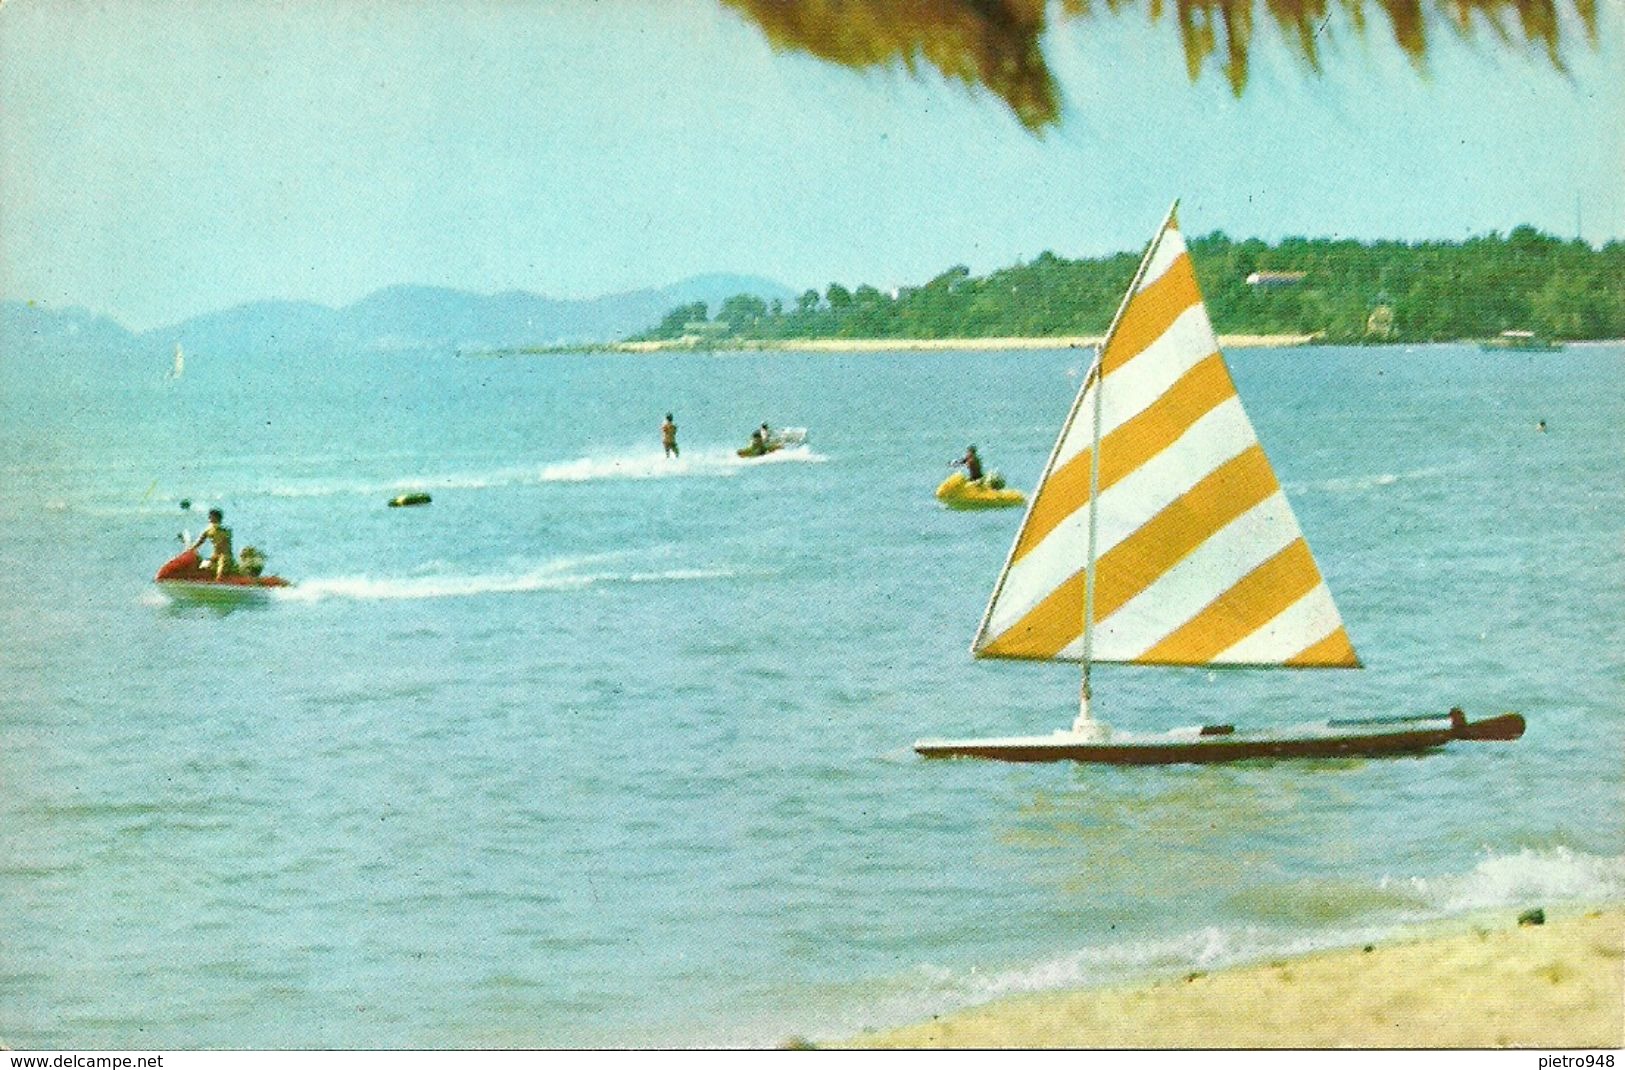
1198,559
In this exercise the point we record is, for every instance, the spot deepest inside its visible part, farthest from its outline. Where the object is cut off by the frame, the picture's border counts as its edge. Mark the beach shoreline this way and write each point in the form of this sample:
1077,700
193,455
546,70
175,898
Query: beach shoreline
1485,981
1079,341
691,344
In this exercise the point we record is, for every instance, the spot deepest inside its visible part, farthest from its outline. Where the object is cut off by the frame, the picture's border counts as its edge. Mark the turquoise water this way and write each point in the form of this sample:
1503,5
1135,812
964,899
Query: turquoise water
603,749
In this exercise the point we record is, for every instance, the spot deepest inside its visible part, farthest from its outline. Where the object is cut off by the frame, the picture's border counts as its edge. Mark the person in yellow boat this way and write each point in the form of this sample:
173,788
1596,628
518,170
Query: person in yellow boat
219,537
972,465
668,437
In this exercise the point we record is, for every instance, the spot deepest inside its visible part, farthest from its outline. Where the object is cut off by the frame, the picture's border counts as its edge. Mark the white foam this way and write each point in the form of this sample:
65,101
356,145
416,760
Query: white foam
1557,874
721,463
1527,877
565,574
717,462
652,465
934,989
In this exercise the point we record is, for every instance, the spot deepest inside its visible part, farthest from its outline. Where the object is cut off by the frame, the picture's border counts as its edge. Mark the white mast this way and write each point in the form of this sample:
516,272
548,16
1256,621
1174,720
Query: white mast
1085,723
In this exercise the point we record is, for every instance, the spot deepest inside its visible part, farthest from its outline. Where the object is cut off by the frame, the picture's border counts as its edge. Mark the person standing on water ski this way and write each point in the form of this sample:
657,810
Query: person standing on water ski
668,437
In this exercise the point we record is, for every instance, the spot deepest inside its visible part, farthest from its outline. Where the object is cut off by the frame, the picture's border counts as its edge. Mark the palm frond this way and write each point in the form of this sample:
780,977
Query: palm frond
996,45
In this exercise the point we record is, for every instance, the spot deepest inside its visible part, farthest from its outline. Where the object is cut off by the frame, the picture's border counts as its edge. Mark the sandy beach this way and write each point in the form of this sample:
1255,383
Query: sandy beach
1484,983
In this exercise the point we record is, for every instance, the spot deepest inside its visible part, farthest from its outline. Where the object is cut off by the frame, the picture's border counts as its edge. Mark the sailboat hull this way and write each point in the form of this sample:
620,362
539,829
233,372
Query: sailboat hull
1376,738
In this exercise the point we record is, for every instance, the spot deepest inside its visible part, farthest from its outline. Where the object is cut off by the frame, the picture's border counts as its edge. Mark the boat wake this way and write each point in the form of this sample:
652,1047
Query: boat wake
653,465
563,574
372,488
716,463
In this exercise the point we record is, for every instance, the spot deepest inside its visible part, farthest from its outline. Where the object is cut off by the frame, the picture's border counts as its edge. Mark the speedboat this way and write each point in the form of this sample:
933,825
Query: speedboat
776,440
185,576
957,492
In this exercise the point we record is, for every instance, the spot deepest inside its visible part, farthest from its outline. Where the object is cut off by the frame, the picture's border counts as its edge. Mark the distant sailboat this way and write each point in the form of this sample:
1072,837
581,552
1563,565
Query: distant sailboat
1159,535
180,363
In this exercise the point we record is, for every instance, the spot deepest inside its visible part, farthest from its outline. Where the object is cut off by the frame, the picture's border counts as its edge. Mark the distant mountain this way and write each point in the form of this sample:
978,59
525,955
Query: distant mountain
396,317
26,325
416,317
275,326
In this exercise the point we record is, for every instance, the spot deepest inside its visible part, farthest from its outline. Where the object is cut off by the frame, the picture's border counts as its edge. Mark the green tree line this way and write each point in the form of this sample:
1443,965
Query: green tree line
1427,291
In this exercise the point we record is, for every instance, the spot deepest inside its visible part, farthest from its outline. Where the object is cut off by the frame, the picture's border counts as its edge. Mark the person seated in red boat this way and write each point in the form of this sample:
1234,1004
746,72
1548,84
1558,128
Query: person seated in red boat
219,537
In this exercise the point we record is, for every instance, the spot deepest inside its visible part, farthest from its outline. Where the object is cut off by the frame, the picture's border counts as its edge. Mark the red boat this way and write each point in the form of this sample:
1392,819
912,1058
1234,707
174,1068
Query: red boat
185,576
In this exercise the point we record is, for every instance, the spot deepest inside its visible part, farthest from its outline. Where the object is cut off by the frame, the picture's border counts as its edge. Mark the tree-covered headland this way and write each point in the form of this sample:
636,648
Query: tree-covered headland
1340,290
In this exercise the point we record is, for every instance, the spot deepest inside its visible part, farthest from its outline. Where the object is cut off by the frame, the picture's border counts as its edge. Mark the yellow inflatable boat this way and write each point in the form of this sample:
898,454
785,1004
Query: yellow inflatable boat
957,492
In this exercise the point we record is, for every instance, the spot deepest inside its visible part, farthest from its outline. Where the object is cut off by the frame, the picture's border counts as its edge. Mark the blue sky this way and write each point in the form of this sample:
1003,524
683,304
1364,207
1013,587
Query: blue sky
158,160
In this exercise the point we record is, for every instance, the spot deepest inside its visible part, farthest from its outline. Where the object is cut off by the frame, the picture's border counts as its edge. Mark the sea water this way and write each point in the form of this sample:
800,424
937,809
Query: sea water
605,748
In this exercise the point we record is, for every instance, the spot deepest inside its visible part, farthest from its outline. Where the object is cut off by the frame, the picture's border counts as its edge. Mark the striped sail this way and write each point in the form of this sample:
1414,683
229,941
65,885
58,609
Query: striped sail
1198,558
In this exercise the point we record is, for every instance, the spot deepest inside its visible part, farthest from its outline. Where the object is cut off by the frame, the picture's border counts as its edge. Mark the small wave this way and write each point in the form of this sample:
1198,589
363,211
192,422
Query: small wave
933,989
113,510
1205,948
1497,882
1361,483
668,575
1556,874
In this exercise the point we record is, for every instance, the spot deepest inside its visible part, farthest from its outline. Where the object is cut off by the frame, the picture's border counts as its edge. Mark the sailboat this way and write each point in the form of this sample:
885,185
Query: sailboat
1159,535
180,363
